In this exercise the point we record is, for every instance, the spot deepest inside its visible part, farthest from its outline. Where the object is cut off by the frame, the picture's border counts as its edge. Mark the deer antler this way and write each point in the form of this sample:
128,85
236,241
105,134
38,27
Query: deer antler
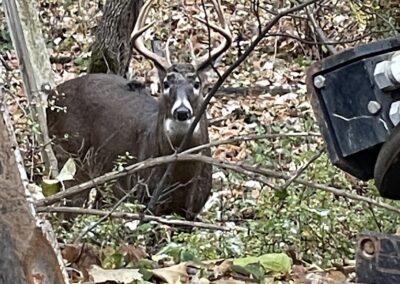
208,58
138,43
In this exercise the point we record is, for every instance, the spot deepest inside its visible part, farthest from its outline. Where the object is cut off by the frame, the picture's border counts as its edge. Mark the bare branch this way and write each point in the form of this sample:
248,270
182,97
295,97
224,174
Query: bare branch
157,192
314,25
135,216
105,217
139,166
302,169
250,170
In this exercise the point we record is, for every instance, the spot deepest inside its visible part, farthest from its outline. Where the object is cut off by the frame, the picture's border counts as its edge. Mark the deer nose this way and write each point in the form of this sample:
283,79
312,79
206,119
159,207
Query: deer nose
182,114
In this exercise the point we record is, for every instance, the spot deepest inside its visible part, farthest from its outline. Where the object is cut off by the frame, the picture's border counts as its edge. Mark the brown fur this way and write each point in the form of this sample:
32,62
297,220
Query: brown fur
106,117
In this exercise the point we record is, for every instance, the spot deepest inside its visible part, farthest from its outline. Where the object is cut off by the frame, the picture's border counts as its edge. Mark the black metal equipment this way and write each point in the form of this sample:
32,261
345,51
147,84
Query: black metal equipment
356,99
378,258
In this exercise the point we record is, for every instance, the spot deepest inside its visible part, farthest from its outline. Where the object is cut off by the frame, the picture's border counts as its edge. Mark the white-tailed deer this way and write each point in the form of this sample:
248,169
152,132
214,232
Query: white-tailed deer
107,116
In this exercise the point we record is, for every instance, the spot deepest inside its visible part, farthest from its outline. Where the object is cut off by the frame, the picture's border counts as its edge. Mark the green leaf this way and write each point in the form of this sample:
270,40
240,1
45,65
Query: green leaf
281,194
273,262
254,269
147,274
187,256
173,250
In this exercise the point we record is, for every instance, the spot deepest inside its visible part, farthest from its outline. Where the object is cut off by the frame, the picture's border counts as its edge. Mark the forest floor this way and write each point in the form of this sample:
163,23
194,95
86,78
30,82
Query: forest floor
280,232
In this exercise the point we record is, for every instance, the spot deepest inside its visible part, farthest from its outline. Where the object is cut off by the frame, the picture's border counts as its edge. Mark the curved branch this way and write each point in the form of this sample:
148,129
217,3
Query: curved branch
158,191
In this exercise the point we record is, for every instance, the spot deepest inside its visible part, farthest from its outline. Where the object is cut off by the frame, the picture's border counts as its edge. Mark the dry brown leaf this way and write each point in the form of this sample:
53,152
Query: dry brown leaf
336,275
133,253
222,269
81,257
172,274
100,275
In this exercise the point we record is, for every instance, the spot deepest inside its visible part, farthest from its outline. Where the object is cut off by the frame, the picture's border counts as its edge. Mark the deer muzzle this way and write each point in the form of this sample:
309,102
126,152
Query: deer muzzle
182,113
182,109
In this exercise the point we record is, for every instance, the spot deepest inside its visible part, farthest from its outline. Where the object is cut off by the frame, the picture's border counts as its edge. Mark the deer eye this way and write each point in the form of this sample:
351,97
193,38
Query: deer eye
166,85
196,85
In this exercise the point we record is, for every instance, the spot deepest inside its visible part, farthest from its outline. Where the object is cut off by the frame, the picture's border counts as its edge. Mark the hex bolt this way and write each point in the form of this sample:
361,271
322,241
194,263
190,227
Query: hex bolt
319,81
387,73
374,107
394,113
395,68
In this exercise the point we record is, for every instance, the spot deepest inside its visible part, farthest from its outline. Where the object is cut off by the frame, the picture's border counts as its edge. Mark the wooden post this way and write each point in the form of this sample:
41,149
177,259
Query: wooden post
25,30
26,254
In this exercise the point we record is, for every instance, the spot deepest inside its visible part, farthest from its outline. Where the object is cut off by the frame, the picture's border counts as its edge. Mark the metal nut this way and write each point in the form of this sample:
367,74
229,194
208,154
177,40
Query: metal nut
395,69
387,73
381,77
394,113
374,107
319,81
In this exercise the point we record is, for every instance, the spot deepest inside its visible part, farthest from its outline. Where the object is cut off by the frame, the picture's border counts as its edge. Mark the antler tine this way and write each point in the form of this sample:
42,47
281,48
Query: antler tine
167,51
192,52
138,43
207,59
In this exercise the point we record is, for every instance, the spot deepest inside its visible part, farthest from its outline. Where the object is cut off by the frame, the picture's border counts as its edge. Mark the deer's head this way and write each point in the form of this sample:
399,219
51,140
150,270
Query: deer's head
181,84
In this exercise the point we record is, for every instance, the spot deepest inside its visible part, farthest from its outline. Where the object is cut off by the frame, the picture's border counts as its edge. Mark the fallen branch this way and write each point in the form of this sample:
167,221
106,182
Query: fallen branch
158,161
250,170
135,216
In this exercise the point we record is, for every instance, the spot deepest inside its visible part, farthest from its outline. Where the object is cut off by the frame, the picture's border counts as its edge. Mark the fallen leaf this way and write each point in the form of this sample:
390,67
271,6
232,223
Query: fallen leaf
81,257
100,275
133,253
172,274
273,262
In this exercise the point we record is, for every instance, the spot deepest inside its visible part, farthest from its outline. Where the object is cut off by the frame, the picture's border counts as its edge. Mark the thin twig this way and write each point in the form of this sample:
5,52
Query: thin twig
250,137
313,23
157,192
105,217
5,63
135,216
302,169
352,40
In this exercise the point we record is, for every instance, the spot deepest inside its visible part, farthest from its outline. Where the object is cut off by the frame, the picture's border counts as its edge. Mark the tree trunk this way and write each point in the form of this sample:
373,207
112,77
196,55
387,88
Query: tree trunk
26,35
26,255
112,50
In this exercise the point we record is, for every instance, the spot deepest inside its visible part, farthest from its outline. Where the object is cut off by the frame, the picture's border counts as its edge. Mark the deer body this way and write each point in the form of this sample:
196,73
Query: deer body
107,116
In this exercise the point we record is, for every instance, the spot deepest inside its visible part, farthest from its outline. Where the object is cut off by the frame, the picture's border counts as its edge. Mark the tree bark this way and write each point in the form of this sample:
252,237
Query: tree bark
26,35
112,49
26,254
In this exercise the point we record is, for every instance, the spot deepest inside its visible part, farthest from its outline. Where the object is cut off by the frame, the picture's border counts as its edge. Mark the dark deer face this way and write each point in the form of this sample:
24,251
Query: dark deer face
181,87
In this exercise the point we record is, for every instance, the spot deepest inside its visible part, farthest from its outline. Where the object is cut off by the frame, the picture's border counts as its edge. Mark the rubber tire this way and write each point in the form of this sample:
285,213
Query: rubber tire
387,167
